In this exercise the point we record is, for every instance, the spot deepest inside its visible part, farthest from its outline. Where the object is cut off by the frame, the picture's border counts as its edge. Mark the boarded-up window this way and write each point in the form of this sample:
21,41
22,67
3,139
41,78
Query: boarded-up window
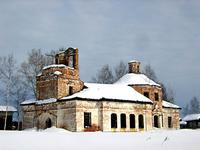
132,120
113,120
87,119
123,120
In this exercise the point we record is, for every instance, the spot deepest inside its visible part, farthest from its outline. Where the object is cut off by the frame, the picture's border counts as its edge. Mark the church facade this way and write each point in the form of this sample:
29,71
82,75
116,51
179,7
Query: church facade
133,103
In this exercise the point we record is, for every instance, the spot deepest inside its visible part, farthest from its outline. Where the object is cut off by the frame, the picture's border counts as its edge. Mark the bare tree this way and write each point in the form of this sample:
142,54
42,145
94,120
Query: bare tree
194,105
168,93
104,76
108,76
51,56
20,95
150,73
32,67
8,77
120,70
186,110
164,91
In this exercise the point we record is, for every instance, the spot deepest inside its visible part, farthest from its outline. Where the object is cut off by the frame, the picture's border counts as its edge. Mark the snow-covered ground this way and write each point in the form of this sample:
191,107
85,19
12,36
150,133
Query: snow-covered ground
59,139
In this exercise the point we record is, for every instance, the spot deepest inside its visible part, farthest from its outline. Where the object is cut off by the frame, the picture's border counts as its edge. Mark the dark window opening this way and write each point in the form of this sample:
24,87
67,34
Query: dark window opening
156,97
113,120
123,120
56,60
146,94
48,123
70,90
169,122
2,123
141,121
87,119
156,121
8,122
138,68
132,120
71,61
74,60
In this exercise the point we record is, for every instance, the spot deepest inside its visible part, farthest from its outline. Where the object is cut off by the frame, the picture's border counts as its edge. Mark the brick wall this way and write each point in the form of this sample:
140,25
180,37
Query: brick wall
51,85
157,104
174,114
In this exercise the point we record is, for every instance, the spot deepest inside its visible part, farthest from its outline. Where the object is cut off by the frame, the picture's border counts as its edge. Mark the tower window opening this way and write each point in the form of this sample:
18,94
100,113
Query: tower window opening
156,97
71,61
70,90
146,94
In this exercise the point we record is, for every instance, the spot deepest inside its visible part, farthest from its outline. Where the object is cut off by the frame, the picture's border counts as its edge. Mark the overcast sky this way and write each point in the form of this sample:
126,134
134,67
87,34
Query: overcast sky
163,33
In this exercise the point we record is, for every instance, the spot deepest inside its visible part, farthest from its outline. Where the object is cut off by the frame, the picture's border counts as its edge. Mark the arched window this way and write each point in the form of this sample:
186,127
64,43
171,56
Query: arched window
48,123
141,121
132,120
113,120
156,121
123,120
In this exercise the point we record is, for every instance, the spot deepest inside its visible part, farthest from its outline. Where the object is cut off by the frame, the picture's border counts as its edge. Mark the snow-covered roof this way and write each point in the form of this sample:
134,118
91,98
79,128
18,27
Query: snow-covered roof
8,108
39,74
98,92
132,61
63,51
39,102
27,102
109,91
191,117
55,66
183,122
169,105
136,79
57,73
46,101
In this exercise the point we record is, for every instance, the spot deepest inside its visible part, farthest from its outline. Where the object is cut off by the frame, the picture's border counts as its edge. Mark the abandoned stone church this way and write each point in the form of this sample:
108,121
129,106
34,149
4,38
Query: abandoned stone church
133,103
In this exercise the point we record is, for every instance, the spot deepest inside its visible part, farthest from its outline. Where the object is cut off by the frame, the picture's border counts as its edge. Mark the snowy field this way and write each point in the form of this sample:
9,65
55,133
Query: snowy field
59,139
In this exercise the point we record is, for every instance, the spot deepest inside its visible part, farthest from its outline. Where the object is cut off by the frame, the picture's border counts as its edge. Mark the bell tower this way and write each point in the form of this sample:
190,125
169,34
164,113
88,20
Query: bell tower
134,66
62,78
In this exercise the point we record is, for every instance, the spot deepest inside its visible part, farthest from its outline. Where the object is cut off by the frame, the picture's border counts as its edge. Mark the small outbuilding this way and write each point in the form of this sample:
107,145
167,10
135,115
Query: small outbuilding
10,110
191,121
